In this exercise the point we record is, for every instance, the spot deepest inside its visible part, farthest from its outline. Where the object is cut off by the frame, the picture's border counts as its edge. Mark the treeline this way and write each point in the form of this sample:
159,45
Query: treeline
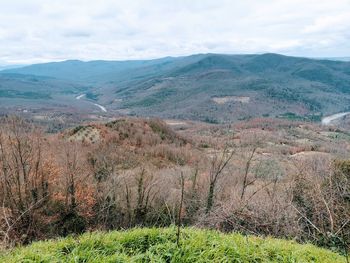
141,173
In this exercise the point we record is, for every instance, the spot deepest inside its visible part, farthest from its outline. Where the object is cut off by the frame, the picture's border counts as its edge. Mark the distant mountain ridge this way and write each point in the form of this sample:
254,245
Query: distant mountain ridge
209,87
346,59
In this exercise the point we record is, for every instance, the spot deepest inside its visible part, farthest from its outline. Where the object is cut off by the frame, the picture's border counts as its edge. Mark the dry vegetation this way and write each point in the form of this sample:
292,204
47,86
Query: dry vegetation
262,177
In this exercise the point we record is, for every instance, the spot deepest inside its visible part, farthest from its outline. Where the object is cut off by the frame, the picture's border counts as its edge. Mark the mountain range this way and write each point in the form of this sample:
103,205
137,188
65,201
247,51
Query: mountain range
205,87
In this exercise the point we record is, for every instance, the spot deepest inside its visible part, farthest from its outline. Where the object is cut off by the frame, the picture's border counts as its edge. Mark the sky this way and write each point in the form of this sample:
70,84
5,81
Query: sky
33,31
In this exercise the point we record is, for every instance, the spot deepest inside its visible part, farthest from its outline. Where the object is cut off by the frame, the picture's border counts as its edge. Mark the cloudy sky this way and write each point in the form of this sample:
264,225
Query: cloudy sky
49,30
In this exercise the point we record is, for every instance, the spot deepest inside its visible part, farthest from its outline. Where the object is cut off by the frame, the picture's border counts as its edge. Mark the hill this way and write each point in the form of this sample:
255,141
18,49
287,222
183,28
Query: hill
159,245
210,87
274,178
90,71
245,86
39,94
13,85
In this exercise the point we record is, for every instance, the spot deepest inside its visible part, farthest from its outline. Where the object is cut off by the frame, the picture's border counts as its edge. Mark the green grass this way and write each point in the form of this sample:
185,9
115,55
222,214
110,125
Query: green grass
159,245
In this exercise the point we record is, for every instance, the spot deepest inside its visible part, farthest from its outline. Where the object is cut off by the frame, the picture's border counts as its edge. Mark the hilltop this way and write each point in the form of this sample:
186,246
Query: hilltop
159,245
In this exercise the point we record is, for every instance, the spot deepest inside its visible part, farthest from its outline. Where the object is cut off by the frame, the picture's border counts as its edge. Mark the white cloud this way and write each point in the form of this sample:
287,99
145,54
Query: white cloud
41,30
330,23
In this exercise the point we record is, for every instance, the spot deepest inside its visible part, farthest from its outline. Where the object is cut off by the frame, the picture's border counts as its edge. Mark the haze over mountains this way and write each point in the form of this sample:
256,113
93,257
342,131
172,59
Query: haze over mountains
205,87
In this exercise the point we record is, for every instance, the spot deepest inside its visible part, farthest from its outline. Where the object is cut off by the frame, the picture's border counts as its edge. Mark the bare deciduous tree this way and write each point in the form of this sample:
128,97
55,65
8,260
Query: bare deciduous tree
218,164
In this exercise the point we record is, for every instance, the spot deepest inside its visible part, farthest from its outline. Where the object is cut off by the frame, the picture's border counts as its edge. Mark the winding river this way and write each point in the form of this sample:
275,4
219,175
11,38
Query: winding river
328,119
101,107
97,105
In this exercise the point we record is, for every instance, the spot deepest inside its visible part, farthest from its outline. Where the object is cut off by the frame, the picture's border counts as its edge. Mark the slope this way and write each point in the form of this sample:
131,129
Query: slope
211,87
159,245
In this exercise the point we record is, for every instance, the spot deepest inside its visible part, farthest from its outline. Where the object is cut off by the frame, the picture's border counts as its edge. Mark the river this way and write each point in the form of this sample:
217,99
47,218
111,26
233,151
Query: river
80,96
101,107
97,105
328,119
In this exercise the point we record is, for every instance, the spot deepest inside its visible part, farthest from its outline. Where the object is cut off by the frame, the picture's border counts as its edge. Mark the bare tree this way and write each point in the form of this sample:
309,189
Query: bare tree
247,182
145,194
179,217
23,177
218,164
323,203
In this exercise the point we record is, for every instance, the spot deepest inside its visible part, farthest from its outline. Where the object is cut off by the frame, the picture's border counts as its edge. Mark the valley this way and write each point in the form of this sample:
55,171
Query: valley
103,109
253,144
175,131
211,88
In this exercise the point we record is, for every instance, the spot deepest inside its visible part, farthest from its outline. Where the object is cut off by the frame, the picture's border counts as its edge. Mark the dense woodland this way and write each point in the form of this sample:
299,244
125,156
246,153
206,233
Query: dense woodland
254,177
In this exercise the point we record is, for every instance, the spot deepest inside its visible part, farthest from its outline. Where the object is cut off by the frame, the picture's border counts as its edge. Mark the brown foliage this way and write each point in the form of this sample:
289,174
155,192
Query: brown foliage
127,175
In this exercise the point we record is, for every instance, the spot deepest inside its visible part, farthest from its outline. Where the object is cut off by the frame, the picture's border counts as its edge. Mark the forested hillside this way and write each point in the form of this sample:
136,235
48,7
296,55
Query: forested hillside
207,87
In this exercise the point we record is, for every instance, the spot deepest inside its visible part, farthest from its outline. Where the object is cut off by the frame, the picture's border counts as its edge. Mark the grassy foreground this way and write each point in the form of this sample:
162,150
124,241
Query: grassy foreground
159,245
